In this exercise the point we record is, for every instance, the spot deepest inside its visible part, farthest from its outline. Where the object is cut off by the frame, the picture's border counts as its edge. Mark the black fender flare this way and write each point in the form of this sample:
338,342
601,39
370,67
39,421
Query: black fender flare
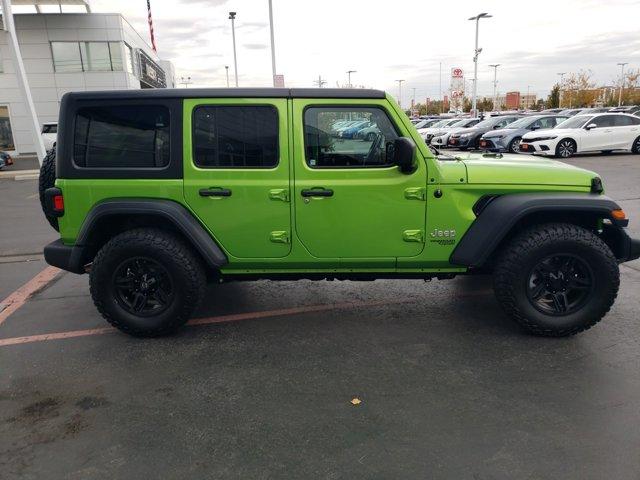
73,258
501,213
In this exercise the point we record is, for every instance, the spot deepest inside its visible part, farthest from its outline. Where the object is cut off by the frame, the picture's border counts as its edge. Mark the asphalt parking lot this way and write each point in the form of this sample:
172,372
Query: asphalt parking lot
260,384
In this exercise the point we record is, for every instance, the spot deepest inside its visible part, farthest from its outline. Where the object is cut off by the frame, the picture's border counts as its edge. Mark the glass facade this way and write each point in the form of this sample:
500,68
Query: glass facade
87,56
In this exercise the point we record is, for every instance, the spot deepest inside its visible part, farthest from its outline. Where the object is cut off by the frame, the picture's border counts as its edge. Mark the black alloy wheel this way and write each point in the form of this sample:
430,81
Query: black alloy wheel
142,286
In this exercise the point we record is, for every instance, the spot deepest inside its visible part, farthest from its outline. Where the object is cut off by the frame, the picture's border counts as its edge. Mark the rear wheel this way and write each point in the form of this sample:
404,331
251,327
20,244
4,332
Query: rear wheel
146,282
566,148
556,279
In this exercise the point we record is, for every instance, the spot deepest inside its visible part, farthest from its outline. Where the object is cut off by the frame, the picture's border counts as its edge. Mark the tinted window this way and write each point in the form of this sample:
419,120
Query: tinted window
235,137
624,121
132,136
326,147
603,121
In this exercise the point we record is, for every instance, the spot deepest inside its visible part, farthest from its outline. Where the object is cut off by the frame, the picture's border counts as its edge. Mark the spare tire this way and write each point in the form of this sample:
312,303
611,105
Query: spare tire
48,180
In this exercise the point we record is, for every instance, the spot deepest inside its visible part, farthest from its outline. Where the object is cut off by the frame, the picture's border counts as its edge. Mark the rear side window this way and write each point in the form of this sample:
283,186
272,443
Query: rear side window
131,136
625,121
235,136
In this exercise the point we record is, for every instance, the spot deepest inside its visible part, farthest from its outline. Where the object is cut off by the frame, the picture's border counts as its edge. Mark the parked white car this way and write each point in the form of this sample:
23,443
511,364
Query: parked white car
441,139
49,135
428,133
604,132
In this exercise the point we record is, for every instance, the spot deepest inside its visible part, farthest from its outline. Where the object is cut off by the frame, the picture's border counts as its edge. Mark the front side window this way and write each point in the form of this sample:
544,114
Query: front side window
235,136
126,136
362,143
603,121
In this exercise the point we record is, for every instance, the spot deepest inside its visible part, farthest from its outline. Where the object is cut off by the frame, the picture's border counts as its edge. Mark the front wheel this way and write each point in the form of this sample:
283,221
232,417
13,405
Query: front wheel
146,282
556,279
635,148
514,145
566,148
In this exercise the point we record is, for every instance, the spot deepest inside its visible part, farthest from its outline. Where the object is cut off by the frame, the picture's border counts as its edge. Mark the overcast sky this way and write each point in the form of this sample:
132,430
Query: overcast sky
385,40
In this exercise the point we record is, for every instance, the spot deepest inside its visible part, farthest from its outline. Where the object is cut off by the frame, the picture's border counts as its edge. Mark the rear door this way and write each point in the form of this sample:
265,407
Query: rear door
627,129
236,173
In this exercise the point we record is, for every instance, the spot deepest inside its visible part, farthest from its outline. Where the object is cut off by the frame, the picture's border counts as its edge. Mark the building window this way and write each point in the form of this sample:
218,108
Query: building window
132,136
87,56
6,136
235,137
66,56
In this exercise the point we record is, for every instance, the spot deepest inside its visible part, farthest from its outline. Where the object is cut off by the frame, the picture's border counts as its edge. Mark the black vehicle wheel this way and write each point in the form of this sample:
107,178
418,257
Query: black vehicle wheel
566,148
636,146
556,279
514,145
146,282
47,179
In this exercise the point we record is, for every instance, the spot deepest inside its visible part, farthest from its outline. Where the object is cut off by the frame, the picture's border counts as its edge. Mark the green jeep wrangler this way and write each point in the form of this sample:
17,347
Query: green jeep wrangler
155,193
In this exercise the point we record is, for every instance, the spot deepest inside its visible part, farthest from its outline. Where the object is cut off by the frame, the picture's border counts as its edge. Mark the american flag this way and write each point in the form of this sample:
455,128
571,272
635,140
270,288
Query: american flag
153,38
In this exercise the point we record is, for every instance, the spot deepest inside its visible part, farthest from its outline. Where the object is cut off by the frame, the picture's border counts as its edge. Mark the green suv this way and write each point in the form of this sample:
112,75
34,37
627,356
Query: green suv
156,193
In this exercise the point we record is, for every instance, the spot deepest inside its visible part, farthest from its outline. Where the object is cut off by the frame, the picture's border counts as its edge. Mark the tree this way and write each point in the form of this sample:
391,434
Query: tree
553,100
579,90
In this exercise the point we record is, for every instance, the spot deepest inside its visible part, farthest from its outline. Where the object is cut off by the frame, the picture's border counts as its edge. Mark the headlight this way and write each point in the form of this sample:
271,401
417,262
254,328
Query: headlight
465,135
540,139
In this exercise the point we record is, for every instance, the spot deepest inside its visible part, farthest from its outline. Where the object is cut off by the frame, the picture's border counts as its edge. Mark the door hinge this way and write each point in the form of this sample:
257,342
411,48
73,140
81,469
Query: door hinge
415,193
281,194
279,236
413,236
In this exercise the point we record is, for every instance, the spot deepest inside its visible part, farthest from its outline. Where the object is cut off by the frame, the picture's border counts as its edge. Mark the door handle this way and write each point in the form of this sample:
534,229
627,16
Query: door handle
317,192
215,192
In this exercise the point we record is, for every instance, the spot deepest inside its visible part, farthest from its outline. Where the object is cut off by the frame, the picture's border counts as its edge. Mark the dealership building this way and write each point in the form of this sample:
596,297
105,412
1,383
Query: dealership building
64,52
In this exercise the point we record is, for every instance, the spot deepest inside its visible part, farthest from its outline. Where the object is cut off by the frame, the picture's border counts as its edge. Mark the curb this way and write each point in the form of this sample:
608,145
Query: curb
20,174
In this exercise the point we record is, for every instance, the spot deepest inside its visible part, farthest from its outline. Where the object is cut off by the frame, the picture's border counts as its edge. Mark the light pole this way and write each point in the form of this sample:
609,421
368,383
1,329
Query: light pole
495,85
474,103
226,68
232,17
186,81
622,64
400,92
562,74
273,45
527,97
349,72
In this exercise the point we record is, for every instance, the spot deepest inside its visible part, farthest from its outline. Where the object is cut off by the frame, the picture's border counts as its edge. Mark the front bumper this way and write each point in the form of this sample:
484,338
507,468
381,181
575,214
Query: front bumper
442,141
460,142
65,257
492,145
630,248
538,148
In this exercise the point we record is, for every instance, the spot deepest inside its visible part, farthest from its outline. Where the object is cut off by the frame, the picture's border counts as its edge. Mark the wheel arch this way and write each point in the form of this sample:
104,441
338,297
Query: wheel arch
111,217
502,217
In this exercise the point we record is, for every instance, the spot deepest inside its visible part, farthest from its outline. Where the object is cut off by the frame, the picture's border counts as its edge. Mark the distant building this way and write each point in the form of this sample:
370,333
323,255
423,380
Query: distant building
65,52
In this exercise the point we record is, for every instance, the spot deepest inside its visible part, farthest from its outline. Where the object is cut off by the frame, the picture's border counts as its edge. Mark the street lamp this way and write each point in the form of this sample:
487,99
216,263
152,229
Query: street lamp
527,97
622,64
226,68
495,84
562,74
273,45
349,72
474,104
186,81
400,92
232,17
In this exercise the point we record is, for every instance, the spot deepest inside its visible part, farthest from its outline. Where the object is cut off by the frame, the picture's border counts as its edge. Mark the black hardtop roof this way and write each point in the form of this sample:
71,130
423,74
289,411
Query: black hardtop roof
167,93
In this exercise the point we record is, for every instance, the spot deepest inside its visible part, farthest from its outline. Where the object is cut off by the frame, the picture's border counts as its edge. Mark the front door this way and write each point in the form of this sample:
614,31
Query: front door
350,201
601,137
236,173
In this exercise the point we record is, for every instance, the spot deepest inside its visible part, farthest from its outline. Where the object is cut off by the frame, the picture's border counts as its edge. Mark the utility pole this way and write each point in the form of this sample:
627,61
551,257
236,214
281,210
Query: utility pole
349,72
414,99
186,81
527,97
273,45
495,85
226,67
320,82
562,74
622,64
474,103
232,17
400,92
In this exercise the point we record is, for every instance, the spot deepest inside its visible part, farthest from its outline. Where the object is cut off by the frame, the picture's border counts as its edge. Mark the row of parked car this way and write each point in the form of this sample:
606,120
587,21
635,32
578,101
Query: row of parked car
553,132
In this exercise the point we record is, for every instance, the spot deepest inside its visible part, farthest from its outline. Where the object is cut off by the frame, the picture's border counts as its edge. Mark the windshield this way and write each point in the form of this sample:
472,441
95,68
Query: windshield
440,123
522,123
575,122
488,123
461,123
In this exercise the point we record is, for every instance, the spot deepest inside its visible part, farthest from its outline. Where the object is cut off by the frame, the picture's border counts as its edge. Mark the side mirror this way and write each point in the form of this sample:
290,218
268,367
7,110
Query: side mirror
591,126
403,151
535,127
497,127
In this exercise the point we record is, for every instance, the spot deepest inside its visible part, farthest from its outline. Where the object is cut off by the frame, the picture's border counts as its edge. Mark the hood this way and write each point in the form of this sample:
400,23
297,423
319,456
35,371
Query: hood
524,170
549,132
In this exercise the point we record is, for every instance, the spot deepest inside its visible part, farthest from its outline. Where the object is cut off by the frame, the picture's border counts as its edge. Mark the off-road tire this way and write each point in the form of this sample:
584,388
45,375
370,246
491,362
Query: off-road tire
512,145
47,179
522,254
183,266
